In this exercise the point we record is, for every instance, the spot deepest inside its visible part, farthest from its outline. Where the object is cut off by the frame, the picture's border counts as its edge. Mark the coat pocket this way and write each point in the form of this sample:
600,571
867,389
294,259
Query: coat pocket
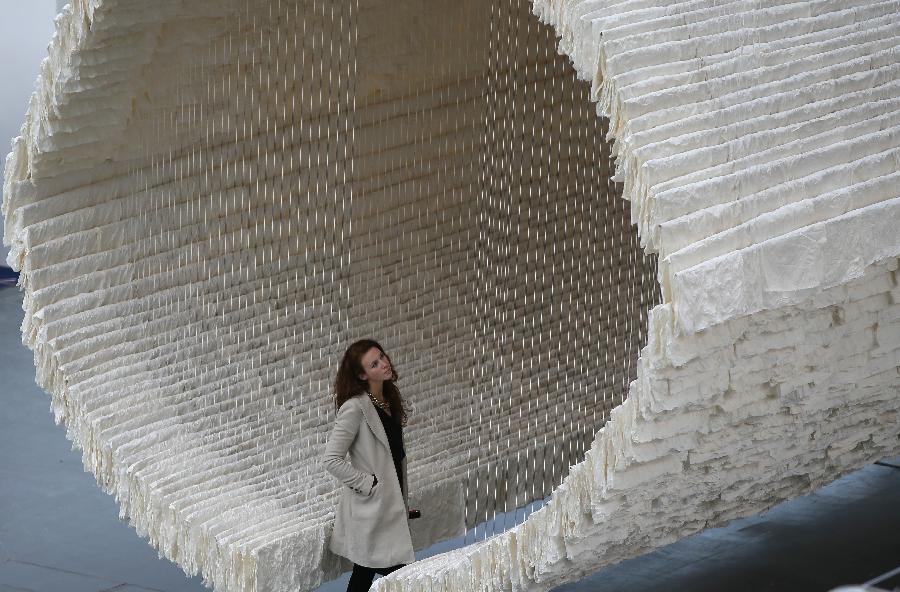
365,506
376,491
366,494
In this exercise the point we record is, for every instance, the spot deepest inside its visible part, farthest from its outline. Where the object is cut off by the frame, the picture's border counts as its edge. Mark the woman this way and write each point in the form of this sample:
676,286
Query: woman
371,520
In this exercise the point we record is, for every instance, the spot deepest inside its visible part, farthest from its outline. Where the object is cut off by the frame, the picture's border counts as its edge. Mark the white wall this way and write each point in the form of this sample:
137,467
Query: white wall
25,30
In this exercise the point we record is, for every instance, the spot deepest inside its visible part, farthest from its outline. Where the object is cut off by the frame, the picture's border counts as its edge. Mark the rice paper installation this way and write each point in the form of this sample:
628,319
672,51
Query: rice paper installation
637,259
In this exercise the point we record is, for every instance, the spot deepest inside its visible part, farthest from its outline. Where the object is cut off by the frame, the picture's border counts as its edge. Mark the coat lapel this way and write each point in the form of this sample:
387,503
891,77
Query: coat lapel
374,421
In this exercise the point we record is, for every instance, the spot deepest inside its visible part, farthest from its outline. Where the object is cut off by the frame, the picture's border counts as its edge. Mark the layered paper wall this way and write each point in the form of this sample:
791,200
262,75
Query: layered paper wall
209,200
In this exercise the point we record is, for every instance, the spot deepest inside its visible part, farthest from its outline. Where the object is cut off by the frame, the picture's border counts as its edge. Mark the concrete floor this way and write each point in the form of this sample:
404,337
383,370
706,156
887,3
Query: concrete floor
60,533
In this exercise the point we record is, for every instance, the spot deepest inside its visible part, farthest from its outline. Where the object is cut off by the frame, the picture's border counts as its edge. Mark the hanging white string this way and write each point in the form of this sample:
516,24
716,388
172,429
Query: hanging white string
448,195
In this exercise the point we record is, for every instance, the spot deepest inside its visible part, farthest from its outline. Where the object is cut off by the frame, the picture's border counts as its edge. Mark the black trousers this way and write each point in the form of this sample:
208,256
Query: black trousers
361,578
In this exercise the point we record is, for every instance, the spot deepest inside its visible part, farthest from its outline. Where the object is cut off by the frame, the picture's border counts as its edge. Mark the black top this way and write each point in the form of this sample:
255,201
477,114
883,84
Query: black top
394,432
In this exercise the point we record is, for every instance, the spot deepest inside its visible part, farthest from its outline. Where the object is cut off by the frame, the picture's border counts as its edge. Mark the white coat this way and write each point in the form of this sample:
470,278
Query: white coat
371,525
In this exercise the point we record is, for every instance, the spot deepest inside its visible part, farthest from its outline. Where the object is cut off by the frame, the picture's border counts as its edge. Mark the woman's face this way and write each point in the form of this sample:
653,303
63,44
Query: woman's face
376,365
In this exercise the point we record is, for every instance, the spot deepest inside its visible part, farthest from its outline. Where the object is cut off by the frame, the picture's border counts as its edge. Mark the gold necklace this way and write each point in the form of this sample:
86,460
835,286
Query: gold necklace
384,406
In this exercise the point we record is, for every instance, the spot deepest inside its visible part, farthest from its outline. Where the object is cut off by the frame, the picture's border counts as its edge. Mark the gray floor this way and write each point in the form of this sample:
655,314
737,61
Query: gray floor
59,532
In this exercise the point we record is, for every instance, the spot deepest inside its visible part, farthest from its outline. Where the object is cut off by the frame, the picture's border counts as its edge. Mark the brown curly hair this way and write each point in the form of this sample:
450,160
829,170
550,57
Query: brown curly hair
348,384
